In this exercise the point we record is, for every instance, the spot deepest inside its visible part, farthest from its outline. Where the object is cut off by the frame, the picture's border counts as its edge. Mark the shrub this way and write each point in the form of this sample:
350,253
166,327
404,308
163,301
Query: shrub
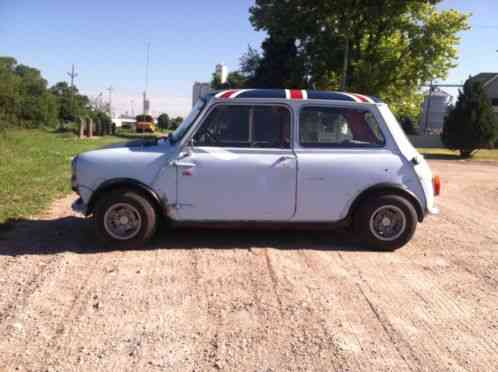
471,124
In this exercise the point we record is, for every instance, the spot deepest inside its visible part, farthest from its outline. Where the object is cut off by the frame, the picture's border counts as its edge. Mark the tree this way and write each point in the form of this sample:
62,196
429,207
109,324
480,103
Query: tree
163,121
385,48
281,65
176,122
472,123
24,99
71,104
249,63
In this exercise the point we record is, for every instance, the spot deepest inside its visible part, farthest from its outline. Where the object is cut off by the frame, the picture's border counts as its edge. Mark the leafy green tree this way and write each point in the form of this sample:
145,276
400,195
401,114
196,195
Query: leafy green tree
70,102
175,122
249,63
281,65
24,99
386,48
163,121
472,123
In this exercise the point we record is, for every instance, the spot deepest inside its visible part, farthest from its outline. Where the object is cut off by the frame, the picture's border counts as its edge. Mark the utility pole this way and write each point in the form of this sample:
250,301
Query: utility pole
72,75
110,90
145,100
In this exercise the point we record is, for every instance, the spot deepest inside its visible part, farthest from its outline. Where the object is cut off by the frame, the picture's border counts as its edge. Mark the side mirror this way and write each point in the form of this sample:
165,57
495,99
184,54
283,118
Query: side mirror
187,149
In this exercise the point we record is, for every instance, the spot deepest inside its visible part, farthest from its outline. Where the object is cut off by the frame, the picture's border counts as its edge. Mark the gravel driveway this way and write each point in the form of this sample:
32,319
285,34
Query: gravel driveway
199,300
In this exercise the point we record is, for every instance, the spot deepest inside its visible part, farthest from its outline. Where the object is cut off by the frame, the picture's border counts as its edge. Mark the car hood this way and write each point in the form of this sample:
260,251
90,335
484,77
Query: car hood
137,160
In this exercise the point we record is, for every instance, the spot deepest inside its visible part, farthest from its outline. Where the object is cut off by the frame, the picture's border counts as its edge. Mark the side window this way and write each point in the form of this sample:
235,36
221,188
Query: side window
246,126
226,126
325,127
270,127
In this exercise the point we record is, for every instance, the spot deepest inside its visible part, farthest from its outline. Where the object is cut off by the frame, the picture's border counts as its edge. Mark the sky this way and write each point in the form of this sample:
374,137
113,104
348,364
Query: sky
107,39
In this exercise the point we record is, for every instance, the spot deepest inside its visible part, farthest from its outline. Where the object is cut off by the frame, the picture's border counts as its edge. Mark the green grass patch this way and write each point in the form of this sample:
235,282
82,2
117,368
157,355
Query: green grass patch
35,168
440,153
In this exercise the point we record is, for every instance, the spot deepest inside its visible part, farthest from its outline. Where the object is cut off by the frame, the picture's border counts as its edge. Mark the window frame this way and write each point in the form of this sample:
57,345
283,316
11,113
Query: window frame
338,145
250,104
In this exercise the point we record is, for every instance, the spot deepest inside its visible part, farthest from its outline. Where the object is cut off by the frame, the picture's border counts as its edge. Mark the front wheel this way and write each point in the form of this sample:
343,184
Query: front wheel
386,222
125,219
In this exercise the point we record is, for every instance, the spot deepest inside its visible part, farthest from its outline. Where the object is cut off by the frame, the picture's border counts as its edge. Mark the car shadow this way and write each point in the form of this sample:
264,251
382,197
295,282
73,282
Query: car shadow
73,234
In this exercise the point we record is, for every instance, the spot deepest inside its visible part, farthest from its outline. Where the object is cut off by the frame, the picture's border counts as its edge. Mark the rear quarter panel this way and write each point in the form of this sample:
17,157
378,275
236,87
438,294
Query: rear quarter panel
330,180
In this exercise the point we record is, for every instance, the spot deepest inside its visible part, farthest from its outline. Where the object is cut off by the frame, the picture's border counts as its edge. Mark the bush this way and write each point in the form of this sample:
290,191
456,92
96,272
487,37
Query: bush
408,125
471,124
163,122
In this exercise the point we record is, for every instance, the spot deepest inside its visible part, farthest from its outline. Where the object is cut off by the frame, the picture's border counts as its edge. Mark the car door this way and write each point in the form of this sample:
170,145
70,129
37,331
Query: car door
341,152
240,167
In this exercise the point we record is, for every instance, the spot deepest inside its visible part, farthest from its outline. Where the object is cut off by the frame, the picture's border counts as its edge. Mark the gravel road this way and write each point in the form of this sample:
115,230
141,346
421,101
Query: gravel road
198,300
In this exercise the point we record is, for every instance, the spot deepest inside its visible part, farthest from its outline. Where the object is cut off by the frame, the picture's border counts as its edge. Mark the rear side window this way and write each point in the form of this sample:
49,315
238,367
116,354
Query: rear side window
246,126
330,127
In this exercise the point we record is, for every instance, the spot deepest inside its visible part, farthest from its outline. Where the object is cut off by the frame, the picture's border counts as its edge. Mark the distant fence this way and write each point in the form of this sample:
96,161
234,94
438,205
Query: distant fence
426,140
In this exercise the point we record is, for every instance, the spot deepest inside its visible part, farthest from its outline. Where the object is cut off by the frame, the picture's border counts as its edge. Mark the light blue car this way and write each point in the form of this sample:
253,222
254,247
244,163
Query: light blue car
264,156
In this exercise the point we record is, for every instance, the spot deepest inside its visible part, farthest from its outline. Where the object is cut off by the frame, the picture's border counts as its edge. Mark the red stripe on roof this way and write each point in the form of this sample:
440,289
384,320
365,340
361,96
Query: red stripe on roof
228,93
360,97
296,94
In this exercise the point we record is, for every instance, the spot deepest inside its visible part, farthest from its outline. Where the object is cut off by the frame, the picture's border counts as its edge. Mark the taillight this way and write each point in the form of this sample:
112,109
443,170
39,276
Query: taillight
436,184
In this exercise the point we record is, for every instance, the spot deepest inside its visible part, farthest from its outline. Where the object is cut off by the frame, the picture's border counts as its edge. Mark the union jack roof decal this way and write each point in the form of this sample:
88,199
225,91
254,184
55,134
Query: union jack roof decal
295,94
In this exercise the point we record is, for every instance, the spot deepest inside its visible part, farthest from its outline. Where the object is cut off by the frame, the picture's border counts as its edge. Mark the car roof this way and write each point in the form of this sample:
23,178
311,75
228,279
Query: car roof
294,94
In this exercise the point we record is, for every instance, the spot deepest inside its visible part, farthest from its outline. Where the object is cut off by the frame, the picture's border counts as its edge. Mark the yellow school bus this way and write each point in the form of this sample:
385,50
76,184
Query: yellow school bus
145,123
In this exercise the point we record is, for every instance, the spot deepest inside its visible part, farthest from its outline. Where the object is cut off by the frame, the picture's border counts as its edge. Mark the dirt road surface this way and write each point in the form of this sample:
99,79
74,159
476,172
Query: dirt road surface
258,300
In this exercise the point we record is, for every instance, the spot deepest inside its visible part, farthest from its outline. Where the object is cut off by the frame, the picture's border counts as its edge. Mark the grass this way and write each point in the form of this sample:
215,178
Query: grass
440,153
35,167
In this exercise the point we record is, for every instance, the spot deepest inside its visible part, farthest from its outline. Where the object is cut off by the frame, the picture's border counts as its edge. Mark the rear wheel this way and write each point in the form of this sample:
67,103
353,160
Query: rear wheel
125,218
386,222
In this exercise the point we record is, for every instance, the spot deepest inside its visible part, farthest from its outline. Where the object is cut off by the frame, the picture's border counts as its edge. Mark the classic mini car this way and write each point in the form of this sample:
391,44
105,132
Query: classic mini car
265,156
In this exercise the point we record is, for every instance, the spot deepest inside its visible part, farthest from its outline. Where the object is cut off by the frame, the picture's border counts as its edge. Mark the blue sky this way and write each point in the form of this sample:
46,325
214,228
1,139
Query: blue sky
106,40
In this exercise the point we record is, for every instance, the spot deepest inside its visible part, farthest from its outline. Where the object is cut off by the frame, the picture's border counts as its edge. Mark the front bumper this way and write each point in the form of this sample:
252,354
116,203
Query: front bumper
79,207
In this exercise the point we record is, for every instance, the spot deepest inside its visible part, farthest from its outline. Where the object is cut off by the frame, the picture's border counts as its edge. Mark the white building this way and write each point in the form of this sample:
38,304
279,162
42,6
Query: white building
222,73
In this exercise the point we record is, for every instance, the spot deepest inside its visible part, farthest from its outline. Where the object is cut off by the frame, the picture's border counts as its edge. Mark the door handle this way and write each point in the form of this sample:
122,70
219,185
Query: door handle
283,158
182,164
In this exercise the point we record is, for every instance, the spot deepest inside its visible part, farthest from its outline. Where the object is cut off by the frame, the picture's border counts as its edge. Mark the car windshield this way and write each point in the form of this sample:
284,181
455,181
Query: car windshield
178,134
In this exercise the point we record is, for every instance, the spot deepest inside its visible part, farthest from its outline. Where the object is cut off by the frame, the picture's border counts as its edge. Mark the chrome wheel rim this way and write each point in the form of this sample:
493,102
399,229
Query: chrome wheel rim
388,223
122,221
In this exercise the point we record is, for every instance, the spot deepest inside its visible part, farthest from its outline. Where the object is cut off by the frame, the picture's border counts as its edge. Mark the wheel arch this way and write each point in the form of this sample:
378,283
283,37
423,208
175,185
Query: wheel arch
148,192
388,188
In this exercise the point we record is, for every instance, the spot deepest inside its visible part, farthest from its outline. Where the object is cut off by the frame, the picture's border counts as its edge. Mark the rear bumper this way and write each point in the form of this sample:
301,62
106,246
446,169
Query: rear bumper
432,211
79,207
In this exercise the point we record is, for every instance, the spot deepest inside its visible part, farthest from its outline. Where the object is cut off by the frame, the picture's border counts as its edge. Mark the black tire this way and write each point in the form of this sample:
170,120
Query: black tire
138,205
366,219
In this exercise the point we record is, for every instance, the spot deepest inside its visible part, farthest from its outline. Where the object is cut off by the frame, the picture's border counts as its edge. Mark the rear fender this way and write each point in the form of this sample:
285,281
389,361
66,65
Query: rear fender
388,188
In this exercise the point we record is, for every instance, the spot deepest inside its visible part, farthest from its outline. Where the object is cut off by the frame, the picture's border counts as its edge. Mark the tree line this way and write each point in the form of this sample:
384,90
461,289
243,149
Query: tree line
27,101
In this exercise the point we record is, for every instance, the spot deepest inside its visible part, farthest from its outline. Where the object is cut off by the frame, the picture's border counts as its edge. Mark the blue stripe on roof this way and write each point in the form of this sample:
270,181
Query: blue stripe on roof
317,94
263,93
